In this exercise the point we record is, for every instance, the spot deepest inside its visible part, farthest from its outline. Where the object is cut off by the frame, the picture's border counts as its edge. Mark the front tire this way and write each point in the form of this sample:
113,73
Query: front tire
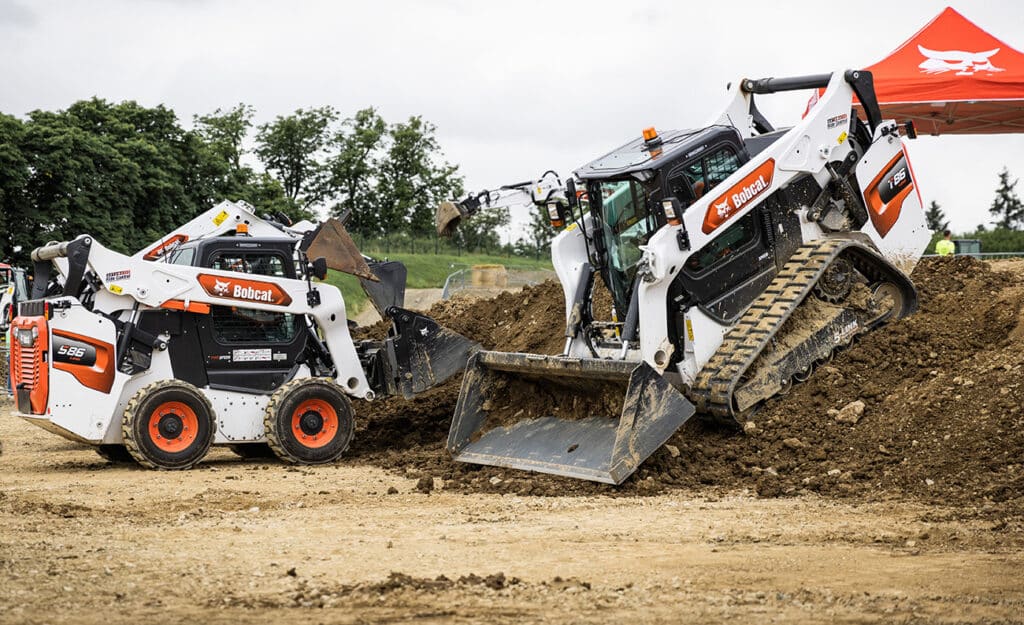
309,421
168,425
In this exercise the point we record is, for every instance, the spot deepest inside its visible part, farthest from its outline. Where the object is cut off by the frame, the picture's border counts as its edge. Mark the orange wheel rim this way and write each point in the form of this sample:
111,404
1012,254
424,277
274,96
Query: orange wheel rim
314,423
173,426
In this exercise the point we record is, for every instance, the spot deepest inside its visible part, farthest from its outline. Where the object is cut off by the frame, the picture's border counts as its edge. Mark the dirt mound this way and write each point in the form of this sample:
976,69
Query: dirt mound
941,390
296,592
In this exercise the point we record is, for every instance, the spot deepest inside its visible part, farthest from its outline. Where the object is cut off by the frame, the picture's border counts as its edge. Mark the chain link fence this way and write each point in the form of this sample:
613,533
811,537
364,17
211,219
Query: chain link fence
491,279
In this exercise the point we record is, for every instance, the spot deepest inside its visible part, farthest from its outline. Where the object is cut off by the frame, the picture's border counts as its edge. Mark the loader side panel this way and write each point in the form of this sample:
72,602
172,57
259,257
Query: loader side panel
89,360
897,224
183,345
65,373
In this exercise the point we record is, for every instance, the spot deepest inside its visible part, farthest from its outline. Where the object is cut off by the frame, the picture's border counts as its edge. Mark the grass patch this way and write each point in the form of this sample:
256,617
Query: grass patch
426,271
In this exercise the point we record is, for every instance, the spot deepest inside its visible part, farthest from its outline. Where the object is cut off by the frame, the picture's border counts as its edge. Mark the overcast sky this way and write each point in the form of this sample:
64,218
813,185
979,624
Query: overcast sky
515,88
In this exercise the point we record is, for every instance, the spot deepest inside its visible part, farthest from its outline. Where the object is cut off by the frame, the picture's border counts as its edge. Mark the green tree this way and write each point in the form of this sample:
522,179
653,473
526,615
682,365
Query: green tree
1007,207
353,169
86,179
409,183
125,173
16,214
936,218
480,233
224,134
292,148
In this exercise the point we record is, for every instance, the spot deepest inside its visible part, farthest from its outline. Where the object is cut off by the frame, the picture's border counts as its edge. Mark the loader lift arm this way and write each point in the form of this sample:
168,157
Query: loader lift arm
544,192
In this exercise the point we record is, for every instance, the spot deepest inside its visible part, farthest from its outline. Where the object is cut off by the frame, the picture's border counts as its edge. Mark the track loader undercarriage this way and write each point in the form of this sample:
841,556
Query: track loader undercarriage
761,356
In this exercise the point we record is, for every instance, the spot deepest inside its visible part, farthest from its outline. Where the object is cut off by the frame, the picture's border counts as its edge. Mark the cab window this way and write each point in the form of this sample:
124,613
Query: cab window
183,256
719,166
690,182
261,264
720,248
232,324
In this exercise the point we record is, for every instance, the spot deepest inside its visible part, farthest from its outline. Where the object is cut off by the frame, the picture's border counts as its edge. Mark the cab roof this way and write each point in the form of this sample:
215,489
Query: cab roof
639,156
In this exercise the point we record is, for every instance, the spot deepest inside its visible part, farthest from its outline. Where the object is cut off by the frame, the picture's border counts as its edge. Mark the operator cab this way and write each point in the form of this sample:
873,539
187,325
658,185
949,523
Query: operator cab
625,189
625,185
233,347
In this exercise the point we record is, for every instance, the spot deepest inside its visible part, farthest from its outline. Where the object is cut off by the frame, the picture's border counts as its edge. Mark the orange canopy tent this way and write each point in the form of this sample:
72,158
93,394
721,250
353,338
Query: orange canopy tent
952,77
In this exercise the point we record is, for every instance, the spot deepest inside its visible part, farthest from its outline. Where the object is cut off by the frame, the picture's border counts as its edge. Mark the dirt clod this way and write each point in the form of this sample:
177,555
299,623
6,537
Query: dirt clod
851,412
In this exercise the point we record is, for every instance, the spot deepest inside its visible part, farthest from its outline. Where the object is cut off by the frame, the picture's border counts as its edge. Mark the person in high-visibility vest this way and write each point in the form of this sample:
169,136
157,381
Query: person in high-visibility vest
945,247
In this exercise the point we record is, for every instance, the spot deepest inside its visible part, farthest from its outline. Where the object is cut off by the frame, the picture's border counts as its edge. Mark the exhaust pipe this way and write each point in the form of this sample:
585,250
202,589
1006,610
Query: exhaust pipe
590,419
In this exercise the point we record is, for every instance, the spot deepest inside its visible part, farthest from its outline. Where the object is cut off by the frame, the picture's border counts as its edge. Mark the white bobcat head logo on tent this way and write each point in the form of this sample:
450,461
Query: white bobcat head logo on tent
965,63
221,288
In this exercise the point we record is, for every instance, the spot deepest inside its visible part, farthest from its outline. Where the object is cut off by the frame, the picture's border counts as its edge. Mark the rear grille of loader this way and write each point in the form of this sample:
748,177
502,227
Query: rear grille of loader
27,366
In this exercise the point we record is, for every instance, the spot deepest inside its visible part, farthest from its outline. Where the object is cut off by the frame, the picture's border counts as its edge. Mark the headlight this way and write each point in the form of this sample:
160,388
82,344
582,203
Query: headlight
26,337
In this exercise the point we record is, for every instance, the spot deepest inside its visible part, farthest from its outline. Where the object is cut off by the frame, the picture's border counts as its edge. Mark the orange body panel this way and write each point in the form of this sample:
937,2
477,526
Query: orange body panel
728,204
244,290
884,214
99,375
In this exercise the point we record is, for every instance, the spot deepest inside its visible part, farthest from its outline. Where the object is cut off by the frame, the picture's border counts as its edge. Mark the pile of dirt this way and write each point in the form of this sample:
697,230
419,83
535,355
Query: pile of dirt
298,592
941,391
530,320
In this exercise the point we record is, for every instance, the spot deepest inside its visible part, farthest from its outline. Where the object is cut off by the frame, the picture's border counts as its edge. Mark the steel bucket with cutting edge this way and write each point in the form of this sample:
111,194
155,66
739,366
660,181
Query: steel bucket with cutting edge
606,416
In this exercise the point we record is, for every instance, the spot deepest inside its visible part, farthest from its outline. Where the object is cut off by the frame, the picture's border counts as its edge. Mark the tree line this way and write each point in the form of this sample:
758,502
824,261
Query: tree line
1006,231
128,174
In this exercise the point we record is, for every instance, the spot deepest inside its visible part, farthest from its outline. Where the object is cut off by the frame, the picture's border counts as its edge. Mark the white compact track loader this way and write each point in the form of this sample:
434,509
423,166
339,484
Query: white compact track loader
738,256
216,334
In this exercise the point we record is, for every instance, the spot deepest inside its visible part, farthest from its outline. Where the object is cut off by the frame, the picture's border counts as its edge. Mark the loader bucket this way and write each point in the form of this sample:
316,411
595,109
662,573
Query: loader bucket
332,242
389,288
447,217
423,353
585,418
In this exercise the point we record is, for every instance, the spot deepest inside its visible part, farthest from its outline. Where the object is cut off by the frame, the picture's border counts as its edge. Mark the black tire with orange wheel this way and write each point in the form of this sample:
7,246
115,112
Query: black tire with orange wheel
168,425
309,421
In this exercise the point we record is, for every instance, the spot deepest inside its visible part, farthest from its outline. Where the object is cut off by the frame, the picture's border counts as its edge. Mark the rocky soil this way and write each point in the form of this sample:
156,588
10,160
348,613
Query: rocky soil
938,400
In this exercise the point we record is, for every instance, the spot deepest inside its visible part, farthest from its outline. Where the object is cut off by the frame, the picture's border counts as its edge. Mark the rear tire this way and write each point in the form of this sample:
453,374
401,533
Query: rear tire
168,425
309,421
114,453
253,451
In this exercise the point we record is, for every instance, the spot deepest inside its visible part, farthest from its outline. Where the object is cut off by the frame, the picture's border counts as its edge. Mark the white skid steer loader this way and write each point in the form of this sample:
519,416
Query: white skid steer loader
740,257
216,334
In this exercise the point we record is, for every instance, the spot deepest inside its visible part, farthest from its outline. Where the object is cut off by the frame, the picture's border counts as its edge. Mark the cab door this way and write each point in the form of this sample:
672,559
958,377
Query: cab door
247,349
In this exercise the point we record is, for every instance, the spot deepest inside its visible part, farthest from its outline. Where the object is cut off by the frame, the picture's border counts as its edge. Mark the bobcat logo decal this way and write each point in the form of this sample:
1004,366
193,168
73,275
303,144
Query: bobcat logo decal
964,63
244,289
723,208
